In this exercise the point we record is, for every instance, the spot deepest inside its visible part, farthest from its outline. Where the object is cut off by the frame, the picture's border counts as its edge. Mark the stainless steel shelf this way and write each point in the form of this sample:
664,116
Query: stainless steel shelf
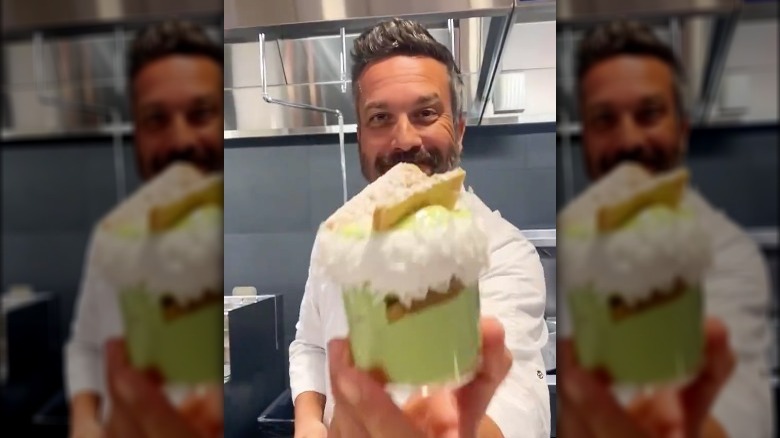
766,238
125,129
540,237
278,132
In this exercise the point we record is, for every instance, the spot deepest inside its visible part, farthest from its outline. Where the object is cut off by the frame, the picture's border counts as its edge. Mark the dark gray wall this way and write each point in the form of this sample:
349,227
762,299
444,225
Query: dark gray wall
53,192
277,191
736,169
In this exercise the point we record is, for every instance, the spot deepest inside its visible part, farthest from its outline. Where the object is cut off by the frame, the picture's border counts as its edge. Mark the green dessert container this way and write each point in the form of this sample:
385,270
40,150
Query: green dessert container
186,349
658,345
657,340
437,344
184,346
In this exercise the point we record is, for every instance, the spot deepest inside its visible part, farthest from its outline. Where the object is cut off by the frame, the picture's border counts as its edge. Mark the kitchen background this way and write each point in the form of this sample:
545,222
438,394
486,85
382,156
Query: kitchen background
62,168
67,158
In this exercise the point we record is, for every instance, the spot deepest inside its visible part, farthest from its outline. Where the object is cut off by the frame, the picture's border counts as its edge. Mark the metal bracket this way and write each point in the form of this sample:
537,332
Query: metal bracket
722,33
267,97
111,112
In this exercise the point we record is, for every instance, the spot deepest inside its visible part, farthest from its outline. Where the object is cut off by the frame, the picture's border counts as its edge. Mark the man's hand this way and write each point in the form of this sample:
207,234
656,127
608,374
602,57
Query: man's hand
84,421
364,409
89,428
310,429
589,409
140,408
309,406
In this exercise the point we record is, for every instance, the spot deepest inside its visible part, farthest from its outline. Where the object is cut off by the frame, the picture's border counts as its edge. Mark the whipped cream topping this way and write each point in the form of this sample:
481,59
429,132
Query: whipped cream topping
406,261
658,246
183,262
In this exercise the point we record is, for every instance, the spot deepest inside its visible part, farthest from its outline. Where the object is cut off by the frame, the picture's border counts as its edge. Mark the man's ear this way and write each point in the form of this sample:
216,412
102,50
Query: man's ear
461,129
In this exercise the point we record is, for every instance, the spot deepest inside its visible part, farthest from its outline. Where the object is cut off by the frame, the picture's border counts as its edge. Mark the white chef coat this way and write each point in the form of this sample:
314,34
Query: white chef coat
736,290
96,320
512,290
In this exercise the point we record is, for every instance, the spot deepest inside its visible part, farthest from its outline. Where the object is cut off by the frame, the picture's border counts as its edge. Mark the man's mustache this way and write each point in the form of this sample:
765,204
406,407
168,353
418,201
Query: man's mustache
433,160
205,159
652,159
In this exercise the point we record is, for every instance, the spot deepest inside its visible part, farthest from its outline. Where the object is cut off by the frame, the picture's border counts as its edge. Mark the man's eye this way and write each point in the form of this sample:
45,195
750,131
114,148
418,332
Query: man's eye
200,115
378,118
154,121
603,120
648,115
427,114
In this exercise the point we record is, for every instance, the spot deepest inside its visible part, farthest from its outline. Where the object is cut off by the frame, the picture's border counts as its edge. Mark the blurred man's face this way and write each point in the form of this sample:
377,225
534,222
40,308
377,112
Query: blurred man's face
629,112
405,115
178,108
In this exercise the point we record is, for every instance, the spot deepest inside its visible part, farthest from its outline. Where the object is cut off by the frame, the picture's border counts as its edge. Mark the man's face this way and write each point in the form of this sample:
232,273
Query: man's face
405,115
178,108
629,113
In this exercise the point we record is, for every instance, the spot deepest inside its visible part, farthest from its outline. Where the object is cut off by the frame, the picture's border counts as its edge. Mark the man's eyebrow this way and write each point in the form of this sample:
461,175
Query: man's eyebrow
428,99
602,105
375,104
202,100
653,99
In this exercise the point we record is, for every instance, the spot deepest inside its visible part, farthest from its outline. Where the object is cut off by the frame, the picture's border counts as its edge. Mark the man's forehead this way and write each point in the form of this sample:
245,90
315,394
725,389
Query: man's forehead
162,101
627,76
425,77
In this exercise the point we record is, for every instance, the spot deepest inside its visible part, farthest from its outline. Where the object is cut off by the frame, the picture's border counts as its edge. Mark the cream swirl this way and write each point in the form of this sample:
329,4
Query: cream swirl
658,246
183,262
422,253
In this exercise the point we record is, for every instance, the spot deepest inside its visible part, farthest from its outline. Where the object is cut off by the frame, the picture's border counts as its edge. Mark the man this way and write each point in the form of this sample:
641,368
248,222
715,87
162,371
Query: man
176,93
633,108
407,95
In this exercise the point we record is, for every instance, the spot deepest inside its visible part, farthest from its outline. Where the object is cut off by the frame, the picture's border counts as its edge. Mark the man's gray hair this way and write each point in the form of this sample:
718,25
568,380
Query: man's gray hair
625,37
408,38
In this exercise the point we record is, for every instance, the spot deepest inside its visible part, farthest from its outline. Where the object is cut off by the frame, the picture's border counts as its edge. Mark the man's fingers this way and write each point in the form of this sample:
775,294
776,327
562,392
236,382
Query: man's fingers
204,411
436,413
660,414
570,422
591,398
496,361
141,400
121,422
363,399
719,363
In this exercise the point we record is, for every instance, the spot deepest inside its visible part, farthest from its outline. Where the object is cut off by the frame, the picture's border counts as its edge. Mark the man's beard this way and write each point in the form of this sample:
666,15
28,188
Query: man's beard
207,160
431,161
652,159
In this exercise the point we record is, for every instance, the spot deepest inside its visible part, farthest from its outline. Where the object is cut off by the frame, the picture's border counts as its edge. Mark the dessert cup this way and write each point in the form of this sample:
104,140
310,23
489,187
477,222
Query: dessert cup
161,251
633,258
409,287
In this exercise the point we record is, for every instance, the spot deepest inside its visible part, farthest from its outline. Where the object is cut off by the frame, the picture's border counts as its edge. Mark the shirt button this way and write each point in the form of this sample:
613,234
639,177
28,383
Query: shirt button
539,374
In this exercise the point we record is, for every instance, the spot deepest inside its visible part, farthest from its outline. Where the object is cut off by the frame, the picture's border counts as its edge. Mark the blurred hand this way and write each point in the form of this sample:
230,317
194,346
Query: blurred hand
311,429
364,409
589,409
140,408
87,429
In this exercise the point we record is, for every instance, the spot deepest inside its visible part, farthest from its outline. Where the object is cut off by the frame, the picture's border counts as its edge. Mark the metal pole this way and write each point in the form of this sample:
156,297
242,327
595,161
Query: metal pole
267,97
343,60
110,112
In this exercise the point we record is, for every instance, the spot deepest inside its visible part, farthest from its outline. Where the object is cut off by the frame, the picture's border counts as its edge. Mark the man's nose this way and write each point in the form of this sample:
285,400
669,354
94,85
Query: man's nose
630,135
182,135
405,135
